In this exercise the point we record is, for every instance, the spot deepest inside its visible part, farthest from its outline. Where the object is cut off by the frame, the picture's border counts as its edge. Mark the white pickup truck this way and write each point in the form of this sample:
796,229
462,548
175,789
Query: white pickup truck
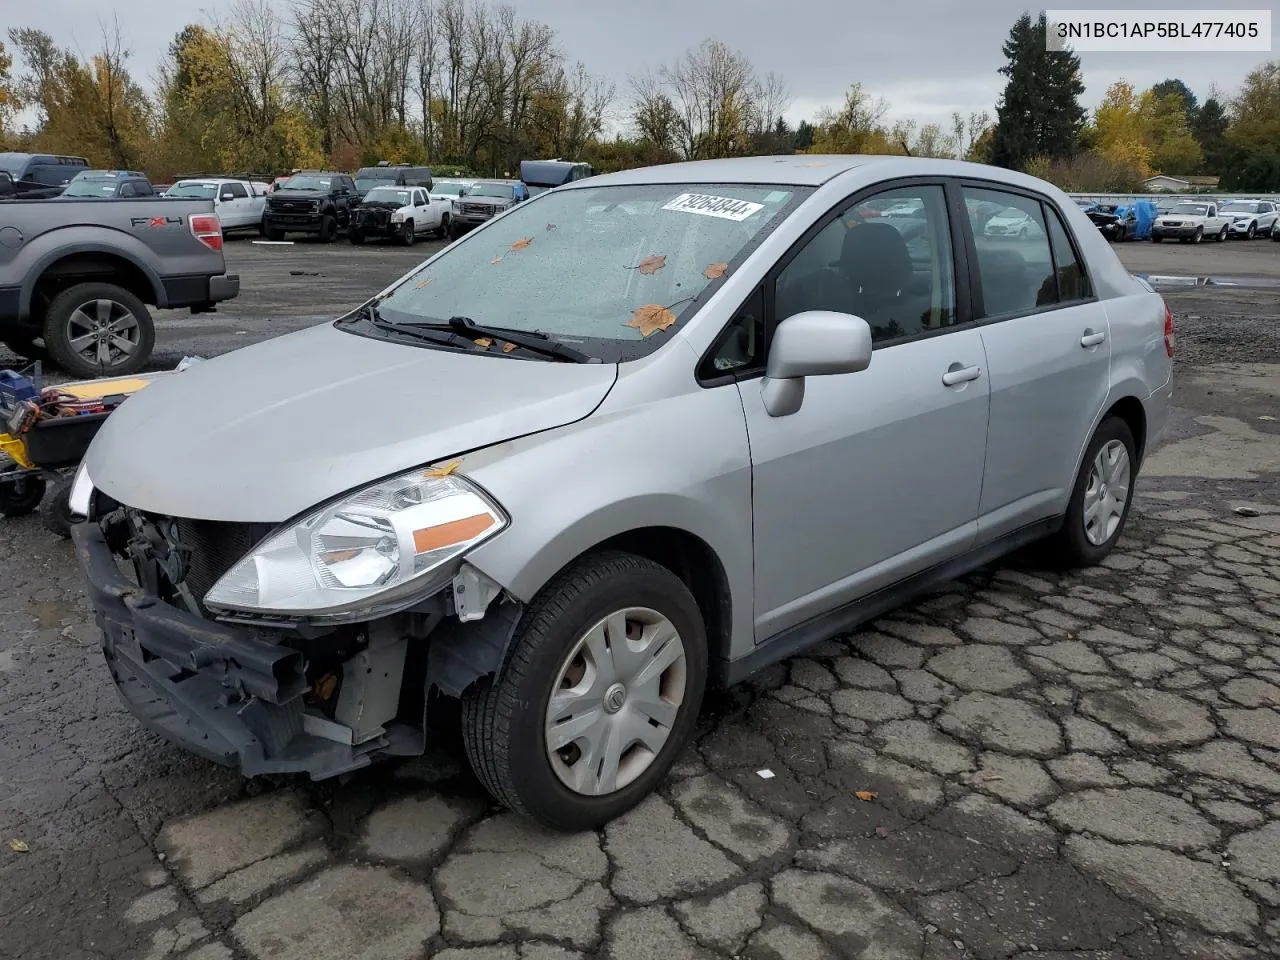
239,204
1191,221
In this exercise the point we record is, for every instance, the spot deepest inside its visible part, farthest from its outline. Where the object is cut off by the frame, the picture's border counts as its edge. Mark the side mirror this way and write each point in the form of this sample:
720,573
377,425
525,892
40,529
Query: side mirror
815,343
228,196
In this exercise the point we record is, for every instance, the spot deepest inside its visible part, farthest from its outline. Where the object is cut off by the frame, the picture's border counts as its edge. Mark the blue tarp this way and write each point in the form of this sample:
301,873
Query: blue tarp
1145,213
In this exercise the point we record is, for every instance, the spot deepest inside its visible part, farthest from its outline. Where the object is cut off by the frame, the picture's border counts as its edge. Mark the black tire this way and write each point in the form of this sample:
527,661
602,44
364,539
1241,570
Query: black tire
21,495
55,509
276,235
443,230
1156,238
1251,232
328,229
1198,235
1222,235
356,238
503,717
58,335
262,228
1071,547
407,235
455,231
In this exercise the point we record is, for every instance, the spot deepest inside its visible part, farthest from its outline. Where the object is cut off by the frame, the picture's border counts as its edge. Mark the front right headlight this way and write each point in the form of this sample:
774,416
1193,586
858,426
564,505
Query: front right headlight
369,553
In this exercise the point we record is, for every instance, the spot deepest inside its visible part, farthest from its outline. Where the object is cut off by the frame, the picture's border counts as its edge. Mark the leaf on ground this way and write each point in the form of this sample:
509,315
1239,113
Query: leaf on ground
715,271
445,469
651,318
484,343
522,243
496,260
551,226
651,265
508,347
19,846
422,283
865,795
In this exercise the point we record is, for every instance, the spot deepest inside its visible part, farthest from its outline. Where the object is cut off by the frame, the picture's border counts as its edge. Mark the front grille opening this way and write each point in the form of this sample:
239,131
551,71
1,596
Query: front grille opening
216,546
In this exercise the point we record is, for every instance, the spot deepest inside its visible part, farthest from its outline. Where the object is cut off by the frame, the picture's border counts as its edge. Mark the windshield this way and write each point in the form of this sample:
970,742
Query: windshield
504,190
609,267
201,191
91,188
1191,209
448,188
1239,206
368,183
304,182
388,195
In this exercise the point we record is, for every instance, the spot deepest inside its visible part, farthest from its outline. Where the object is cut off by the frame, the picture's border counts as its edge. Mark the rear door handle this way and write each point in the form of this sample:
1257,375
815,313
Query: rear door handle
958,374
1091,339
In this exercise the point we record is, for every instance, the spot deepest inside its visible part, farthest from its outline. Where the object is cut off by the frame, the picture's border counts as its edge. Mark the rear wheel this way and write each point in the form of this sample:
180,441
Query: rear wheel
356,238
55,510
98,330
20,495
599,696
1100,498
443,230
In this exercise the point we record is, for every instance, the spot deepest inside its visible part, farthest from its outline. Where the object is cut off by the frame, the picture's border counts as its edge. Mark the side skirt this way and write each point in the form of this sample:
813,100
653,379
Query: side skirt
796,639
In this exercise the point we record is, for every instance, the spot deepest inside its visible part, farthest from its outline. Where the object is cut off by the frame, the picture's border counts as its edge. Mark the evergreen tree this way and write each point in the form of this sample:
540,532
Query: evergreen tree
1039,114
1190,106
1210,129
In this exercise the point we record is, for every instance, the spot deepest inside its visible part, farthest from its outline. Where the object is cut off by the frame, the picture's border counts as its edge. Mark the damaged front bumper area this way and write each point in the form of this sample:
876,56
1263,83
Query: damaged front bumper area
237,696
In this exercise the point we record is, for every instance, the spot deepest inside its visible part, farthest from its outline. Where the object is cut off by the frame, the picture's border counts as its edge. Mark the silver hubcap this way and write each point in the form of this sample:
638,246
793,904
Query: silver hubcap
615,700
104,332
1106,493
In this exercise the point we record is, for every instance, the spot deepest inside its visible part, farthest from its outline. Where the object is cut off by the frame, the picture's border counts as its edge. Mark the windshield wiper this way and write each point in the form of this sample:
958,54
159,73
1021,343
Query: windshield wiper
534,341
373,316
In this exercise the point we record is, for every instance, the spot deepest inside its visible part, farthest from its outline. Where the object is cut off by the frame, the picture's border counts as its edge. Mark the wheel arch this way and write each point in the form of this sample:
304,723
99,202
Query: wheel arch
87,263
1131,411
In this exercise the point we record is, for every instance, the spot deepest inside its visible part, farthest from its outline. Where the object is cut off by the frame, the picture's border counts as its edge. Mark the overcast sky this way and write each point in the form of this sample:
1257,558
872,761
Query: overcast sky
926,57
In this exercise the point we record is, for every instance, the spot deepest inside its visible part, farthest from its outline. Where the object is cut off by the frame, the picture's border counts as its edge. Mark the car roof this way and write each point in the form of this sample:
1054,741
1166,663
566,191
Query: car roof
801,170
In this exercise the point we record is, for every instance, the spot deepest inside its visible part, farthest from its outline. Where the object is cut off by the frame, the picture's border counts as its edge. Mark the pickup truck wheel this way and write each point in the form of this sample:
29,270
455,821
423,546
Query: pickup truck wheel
1222,235
1156,238
455,231
1101,497
356,238
1198,236
406,233
442,231
98,330
262,229
599,695
328,229
20,495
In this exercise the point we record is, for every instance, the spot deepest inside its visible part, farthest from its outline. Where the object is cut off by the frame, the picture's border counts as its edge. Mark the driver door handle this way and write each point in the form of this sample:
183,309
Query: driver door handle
1091,339
958,374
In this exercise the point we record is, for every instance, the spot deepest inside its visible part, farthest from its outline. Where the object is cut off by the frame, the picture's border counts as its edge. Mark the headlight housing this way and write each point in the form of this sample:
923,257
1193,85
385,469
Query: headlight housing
367,554
397,217
81,495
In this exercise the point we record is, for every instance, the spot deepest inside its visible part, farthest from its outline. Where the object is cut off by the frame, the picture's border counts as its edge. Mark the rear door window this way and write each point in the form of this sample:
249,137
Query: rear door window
1014,259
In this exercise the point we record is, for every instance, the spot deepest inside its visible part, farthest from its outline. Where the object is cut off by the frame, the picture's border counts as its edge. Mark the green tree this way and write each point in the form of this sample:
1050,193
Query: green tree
1210,130
1119,133
1255,111
1176,88
1174,148
9,102
1039,113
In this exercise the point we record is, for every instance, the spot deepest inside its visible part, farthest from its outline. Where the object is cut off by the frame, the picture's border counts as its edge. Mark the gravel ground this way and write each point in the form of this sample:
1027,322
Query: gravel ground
1077,766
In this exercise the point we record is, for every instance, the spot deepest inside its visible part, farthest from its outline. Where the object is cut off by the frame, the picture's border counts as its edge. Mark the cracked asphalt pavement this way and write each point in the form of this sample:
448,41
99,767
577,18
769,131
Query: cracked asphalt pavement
1081,765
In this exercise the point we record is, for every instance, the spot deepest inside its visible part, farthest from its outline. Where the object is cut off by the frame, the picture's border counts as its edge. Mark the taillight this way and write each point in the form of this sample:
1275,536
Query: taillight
206,228
1168,330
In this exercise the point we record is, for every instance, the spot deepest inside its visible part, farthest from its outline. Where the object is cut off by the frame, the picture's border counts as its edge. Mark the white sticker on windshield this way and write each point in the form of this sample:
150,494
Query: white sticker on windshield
726,208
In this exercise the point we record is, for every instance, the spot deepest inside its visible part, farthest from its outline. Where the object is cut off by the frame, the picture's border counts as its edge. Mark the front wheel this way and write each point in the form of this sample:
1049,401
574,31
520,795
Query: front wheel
598,697
98,330
1251,232
1199,235
1156,238
356,238
406,234
1101,497
55,510
275,235
328,229
1222,235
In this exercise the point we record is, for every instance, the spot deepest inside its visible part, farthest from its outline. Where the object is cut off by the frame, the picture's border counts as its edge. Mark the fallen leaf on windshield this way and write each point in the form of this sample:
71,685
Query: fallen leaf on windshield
484,343
551,226
19,846
508,347
715,271
651,265
865,795
496,260
651,318
422,283
444,470
522,243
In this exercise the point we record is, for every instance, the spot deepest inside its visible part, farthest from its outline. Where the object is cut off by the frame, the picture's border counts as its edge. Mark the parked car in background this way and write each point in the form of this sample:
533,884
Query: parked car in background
386,174
1116,222
1190,221
239,204
1011,222
540,175
41,170
26,189
449,190
83,274
576,496
312,201
108,184
405,213
1249,218
484,200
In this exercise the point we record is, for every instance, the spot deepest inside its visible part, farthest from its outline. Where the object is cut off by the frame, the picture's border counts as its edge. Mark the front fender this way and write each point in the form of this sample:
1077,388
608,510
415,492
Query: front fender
680,462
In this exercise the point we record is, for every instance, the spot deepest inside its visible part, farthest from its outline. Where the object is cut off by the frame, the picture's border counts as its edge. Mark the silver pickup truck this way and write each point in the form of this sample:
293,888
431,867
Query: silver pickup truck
78,275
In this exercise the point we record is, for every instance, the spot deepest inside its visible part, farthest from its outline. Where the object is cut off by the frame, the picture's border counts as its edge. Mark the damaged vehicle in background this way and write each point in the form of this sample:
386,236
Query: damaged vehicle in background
402,213
644,433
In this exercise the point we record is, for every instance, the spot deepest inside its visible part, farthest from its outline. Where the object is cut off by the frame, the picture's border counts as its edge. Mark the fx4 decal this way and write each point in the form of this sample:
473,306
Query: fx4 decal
155,221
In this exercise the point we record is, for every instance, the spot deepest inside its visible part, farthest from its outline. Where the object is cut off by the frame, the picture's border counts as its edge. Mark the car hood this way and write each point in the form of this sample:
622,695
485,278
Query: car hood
299,195
268,431
488,201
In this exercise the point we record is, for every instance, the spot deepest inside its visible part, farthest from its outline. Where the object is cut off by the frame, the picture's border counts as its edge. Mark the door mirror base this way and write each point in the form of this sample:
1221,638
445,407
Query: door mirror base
814,343
782,397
